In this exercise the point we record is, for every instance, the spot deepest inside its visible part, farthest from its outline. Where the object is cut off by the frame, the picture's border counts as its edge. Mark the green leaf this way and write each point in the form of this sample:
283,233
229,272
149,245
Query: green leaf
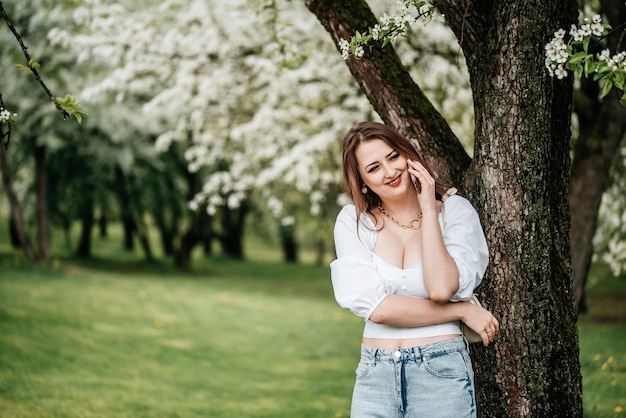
578,71
577,57
586,43
71,106
619,79
606,88
623,99
572,65
590,66
33,64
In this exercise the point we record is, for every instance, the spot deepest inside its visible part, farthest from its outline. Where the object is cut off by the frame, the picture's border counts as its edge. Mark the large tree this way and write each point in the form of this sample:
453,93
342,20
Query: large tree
517,179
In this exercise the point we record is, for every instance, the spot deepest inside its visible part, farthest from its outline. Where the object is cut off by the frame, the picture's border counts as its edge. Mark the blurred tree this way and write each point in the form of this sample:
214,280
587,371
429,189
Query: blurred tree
246,109
602,127
24,25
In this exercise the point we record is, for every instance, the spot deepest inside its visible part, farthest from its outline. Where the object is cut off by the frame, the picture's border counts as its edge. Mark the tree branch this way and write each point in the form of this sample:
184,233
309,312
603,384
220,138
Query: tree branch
390,89
30,62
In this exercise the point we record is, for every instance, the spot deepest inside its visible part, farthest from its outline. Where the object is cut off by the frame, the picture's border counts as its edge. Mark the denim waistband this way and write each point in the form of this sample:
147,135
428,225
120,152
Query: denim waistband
415,353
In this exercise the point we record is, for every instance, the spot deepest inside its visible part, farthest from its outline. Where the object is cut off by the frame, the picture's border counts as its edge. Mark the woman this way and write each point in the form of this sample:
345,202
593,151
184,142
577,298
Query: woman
409,255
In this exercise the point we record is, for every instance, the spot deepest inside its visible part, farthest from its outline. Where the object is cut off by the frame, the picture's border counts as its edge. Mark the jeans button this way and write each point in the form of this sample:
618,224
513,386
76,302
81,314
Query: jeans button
397,354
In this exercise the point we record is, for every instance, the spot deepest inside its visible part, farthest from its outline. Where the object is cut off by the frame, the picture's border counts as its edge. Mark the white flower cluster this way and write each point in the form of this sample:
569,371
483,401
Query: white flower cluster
616,63
6,116
389,28
559,53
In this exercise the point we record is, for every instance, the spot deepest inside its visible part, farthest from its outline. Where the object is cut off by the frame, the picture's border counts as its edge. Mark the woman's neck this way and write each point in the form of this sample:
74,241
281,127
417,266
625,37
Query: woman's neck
406,206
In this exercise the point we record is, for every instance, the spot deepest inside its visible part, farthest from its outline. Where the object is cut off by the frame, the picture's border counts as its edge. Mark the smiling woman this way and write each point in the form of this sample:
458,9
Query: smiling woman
409,278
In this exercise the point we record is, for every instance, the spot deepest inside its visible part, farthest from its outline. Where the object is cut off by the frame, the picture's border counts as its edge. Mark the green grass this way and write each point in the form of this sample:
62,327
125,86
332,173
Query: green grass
236,340
603,346
116,336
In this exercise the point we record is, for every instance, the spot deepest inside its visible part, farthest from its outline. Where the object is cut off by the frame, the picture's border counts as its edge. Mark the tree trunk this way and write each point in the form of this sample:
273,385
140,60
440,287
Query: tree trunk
87,220
288,243
166,214
102,225
602,129
17,216
43,220
126,213
231,238
194,235
518,182
142,233
128,225
14,234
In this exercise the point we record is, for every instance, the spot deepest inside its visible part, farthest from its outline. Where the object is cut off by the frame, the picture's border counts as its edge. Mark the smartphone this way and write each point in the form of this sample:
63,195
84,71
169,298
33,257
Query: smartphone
416,183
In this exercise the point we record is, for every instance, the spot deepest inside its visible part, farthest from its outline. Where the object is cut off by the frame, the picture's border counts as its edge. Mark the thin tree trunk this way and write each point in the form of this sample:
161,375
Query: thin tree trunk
102,225
87,220
288,243
16,209
142,233
200,220
13,234
43,220
231,238
126,213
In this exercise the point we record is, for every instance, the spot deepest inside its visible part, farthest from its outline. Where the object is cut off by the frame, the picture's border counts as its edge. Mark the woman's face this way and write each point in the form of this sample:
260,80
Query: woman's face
383,169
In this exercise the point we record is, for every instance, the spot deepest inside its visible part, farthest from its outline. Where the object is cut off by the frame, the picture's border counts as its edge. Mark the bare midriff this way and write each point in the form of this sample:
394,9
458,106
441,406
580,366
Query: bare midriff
390,344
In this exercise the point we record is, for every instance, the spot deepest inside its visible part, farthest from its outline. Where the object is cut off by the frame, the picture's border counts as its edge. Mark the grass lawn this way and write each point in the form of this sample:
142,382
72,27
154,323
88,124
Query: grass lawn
118,337
123,339
603,346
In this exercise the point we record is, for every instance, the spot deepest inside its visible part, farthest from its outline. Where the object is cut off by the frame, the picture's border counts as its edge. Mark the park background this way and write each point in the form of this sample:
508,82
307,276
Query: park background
184,271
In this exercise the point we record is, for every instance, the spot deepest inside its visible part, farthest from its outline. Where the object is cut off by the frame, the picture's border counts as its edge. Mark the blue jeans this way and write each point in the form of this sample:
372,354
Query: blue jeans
431,381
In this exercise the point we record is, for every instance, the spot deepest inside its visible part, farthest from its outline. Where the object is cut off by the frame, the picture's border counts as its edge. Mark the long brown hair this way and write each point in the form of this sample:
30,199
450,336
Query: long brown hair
367,131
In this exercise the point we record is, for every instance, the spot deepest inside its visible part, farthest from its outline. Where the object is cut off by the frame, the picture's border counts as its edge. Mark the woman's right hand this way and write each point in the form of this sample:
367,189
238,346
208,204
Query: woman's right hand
482,321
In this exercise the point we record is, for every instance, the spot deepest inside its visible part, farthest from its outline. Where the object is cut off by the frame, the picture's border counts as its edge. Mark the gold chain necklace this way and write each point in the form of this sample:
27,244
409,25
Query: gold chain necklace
411,225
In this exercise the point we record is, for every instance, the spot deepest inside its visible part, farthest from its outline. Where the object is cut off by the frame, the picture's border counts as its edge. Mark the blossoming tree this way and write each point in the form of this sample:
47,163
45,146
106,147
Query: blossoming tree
257,115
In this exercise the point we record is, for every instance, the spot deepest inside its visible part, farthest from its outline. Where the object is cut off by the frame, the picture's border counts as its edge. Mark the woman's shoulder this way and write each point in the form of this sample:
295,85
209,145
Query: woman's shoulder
348,217
349,212
456,205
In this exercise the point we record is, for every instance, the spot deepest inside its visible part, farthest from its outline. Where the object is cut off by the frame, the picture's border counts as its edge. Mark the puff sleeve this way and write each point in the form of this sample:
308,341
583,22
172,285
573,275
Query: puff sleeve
356,282
465,241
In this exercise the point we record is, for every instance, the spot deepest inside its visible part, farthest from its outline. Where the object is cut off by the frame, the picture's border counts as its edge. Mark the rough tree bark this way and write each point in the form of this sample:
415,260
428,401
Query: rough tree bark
602,130
518,181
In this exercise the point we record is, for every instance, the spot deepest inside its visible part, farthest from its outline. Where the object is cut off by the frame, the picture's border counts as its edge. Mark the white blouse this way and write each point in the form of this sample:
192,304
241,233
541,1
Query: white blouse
361,279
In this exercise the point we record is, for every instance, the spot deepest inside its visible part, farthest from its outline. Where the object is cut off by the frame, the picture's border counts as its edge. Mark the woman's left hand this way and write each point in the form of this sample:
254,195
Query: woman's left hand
426,196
